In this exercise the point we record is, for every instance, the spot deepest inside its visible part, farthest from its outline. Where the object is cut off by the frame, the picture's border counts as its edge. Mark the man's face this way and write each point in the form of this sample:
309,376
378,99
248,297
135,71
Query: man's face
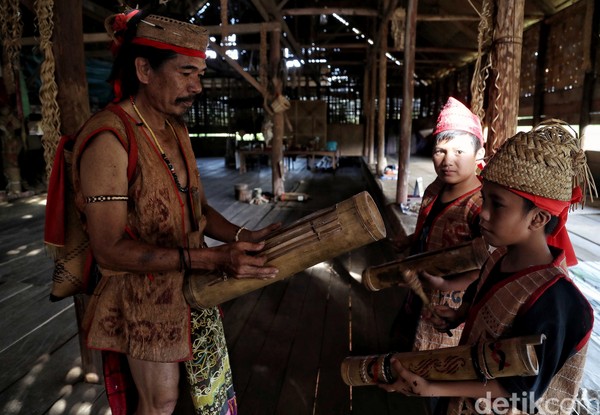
176,83
455,159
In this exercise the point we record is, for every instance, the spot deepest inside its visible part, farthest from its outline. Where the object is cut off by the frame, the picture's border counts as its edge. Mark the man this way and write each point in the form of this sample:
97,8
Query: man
146,220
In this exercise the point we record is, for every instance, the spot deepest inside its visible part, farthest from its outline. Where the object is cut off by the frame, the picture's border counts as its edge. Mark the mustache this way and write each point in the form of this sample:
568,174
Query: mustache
186,99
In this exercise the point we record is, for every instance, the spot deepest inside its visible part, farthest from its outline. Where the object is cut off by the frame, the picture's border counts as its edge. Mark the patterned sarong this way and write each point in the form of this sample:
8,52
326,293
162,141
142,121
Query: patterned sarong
209,372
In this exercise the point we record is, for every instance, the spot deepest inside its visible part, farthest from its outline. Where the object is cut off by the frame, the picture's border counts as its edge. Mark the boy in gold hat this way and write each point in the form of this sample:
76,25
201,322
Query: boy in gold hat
524,288
143,207
448,216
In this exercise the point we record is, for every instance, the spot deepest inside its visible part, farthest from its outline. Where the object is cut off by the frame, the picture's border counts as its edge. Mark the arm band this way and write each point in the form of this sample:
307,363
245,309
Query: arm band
106,198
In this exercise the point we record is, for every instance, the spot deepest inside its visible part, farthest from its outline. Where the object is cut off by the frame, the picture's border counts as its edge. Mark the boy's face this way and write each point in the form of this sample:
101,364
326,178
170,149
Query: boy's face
455,159
503,219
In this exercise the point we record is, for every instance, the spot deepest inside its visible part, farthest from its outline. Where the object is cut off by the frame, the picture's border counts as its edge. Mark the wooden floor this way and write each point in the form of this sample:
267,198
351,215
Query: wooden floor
286,341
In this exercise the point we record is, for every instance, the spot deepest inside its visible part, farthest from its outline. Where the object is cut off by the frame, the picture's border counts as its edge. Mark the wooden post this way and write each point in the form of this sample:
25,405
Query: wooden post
382,113
590,41
366,106
540,67
372,93
503,106
277,142
407,102
73,101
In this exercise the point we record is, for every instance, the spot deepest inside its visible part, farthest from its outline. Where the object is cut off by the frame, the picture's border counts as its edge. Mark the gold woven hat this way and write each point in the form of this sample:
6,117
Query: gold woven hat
160,32
547,161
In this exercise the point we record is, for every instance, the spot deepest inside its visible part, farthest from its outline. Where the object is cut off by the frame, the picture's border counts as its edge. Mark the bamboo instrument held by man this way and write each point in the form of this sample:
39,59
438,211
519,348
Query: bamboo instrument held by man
484,361
322,235
441,262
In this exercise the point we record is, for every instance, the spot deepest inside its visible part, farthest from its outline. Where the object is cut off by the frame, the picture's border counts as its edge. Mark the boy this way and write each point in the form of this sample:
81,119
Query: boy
447,217
524,287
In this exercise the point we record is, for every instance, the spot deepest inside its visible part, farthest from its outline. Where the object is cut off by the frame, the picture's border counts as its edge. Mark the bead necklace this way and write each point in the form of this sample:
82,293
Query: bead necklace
183,189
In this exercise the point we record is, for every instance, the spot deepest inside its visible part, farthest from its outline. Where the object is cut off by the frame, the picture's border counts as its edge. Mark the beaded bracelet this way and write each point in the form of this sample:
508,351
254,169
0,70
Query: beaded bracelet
237,234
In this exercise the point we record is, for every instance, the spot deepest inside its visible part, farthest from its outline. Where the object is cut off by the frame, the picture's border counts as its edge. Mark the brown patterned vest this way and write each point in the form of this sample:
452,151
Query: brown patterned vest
145,315
451,227
493,316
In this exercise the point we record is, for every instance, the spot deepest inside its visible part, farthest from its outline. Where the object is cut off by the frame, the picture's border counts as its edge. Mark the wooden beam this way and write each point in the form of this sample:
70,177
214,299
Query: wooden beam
270,9
221,52
245,28
590,42
407,102
389,6
238,29
343,11
73,101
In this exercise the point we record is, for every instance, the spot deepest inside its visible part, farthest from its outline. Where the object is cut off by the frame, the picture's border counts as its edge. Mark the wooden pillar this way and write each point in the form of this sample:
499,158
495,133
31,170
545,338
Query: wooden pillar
590,42
277,142
382,113
366,107
372,108
540,72
407,102
503,107
73,101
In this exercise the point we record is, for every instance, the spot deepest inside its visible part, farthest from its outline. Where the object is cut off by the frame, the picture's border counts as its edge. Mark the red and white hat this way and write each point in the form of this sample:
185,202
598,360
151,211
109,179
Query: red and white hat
456,116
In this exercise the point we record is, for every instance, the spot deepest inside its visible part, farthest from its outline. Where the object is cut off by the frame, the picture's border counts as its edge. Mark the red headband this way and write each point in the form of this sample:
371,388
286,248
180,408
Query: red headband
167,46
559,236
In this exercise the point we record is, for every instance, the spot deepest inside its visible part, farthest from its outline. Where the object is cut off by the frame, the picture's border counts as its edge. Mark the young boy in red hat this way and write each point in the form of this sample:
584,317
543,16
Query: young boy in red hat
448,216
524,288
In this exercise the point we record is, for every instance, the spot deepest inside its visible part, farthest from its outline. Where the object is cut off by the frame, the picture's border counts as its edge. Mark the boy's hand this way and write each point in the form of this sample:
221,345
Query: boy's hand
433,282
442,318
407,382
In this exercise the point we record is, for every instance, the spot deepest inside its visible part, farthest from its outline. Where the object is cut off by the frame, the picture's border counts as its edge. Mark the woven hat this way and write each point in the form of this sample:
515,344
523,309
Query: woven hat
160,32
547,161
456,116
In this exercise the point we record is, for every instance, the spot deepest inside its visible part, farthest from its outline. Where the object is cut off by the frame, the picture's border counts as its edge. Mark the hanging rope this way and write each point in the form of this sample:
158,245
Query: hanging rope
11,26
48,91
482,70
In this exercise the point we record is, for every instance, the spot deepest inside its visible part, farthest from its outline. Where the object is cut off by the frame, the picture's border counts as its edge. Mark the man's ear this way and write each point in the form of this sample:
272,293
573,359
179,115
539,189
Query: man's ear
540,219
142,69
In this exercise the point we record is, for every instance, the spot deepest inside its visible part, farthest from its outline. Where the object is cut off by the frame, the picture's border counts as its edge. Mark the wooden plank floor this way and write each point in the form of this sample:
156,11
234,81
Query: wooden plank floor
286,341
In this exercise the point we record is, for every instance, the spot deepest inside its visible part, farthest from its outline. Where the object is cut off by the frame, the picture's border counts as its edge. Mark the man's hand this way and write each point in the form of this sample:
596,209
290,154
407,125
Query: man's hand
238,264
259,234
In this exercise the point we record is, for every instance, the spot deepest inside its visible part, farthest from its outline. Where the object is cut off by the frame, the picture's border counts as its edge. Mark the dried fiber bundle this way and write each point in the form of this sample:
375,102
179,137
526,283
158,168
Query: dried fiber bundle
547,161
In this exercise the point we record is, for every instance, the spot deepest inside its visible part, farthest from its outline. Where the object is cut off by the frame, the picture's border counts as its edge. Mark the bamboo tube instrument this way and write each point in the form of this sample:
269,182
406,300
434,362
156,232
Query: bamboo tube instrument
486,360
447,261
322,235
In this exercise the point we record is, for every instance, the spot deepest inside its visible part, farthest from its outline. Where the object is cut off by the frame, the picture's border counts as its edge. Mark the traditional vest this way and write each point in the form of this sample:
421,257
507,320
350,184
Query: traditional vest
145,315
451,227
492,317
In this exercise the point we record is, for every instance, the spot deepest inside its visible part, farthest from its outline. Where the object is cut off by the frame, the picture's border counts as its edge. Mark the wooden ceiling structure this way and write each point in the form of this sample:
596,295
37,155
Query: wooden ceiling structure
328,37
322,42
